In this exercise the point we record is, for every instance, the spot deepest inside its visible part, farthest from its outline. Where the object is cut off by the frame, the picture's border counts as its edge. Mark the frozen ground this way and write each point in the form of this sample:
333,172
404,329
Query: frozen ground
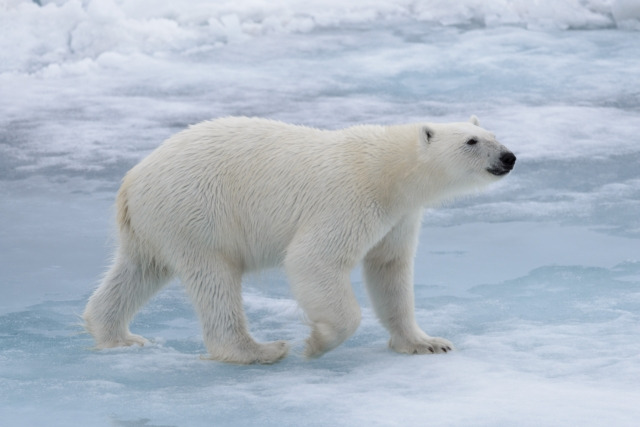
537,282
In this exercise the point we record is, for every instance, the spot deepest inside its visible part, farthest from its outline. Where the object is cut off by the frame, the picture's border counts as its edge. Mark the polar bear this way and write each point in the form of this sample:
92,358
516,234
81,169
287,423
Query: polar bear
238,194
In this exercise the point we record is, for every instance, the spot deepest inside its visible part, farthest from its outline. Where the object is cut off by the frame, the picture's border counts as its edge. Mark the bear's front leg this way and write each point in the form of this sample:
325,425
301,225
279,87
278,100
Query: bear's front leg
388,270
322,287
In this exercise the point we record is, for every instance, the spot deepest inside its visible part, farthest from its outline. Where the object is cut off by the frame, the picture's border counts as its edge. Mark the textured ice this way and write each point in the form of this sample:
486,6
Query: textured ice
537,281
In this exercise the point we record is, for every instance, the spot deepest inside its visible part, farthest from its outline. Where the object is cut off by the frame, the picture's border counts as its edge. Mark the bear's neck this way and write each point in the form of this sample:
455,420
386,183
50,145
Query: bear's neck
405,180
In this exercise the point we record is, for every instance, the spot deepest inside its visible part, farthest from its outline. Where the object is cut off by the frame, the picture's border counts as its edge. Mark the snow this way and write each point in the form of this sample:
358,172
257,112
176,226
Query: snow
537,281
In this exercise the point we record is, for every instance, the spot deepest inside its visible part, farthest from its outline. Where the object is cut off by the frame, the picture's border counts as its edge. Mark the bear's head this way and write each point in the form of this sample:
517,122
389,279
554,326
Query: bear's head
463,156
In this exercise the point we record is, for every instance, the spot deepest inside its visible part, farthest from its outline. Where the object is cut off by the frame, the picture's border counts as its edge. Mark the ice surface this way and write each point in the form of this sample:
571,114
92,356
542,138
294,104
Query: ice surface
537,281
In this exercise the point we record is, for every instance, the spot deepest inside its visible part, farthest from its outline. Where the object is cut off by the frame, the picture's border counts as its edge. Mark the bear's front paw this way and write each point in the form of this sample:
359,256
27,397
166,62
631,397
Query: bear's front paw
421,345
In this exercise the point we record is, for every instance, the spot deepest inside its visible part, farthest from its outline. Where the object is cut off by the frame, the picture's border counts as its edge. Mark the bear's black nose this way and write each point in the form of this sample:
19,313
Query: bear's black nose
508,159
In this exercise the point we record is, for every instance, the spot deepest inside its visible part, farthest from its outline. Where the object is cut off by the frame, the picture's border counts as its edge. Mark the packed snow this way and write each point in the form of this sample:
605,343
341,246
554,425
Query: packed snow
537,281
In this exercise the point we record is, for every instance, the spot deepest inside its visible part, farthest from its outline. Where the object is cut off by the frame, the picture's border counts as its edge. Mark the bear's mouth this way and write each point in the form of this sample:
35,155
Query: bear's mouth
498,172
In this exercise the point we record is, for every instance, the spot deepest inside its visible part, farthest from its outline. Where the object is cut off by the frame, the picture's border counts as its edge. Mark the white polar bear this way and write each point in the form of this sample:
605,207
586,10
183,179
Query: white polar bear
239,194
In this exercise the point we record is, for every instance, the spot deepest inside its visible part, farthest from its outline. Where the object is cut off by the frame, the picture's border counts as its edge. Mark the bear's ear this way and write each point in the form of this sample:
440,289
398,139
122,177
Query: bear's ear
474,120
426,133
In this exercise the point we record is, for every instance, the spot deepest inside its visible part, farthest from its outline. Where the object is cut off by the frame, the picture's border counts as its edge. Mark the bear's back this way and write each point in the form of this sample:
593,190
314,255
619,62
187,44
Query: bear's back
245,183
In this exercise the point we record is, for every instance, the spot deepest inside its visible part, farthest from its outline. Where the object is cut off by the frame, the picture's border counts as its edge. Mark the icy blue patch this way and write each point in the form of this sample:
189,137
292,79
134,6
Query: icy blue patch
559,329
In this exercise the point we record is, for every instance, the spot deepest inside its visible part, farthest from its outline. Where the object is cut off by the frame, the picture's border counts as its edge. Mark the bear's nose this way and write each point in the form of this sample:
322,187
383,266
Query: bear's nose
508,159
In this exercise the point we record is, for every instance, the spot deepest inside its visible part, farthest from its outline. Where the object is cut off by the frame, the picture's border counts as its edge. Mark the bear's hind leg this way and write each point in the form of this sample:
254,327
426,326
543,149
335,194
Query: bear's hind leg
215,288
125,288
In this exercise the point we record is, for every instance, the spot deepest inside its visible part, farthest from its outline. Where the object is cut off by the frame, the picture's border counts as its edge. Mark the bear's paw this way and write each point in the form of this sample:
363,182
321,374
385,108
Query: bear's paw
125,341
253,353
421,345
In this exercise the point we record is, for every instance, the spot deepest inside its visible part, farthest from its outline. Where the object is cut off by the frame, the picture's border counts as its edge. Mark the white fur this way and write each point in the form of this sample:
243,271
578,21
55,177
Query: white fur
238,194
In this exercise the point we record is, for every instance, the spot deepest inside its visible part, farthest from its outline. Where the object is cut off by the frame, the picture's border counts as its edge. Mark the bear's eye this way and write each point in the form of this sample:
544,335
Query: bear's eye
472,141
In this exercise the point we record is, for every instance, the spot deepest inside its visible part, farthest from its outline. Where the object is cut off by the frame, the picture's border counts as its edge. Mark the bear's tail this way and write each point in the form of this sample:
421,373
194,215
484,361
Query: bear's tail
122,211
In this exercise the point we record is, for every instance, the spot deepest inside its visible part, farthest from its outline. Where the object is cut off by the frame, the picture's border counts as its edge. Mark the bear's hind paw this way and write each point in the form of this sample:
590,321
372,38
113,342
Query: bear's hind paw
271,352
260,353
127,341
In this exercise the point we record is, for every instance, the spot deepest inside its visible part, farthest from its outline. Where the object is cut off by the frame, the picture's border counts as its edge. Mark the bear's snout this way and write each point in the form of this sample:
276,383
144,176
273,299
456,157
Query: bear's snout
508,159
